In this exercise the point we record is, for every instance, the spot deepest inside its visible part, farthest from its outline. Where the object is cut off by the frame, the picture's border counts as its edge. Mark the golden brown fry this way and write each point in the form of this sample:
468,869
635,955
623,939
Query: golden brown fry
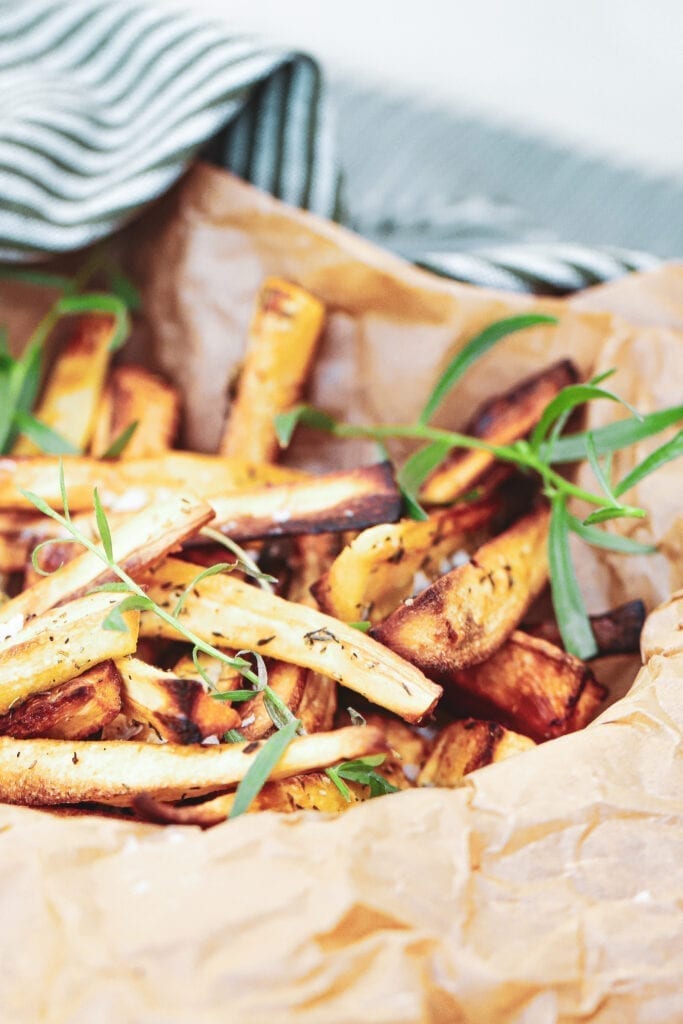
616,631
283,335
134,395
71,711
464,746
59,645
74,387
499,421
118,771
139,542
531,686
467,614
332,503
179,710
311,792
287,681
374,573
132,484
226,612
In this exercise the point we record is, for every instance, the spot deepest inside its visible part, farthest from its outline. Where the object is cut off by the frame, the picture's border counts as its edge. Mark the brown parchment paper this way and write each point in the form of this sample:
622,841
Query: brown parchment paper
548,888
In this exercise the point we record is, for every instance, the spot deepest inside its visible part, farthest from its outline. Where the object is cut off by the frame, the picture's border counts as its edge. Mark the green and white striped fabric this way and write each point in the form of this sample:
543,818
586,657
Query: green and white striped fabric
103,106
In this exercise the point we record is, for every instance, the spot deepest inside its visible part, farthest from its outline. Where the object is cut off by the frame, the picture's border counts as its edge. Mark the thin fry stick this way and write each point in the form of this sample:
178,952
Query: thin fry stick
140,542
500,421
335,502
132,484
74,387
133,395
59,645
283,336
229,613
120,770
464,616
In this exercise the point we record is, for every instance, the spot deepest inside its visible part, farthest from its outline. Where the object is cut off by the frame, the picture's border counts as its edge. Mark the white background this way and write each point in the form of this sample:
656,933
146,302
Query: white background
606,75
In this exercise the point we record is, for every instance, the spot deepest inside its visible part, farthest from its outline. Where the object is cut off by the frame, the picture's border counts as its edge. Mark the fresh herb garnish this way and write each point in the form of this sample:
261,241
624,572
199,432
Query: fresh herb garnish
286,724
545,449
362,771
120,443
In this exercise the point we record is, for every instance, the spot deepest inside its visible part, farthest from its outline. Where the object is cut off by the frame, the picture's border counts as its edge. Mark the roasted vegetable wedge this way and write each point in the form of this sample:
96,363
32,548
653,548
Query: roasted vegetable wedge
464,616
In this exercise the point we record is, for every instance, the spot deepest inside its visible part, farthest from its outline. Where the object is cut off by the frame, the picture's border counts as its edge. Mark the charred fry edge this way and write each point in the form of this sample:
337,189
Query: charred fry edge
348,500
464,616
73,710
138,543
616,631
501,420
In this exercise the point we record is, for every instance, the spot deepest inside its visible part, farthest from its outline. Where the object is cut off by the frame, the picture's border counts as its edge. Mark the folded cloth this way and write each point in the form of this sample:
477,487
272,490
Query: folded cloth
103,106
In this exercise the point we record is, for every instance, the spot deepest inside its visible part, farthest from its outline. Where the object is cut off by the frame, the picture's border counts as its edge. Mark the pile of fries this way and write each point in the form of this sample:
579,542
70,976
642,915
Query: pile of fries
422,628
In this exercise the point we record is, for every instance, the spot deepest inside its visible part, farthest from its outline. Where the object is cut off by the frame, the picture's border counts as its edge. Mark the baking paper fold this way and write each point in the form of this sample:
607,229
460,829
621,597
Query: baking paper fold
547,888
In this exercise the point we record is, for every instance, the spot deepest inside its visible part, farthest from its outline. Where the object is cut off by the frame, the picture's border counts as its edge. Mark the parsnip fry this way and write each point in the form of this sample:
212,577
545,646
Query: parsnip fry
232,614
467,614
311,792
374,573
47,772
336,502
616,631
283,335
464,746
132,484
139,542
74,387
500,421
531,686
71,711
179,710
59,645
133,395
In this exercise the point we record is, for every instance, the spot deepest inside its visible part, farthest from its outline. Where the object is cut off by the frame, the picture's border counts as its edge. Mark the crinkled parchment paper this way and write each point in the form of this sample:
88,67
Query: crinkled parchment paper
548,888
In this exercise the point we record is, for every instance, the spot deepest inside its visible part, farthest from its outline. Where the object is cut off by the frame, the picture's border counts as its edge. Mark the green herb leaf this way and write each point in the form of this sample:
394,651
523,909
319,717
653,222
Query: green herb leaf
48,440
236,696
63,493
110,588
41,505
103,527
115,621
122,286
473,350
262,767
363,626
287,422
36,277
412,509
213,570
244,562
609,541
119,444
598,470
233,736
361,771
421,464
566,401
607,512
672,449
44,544
570,610
614,436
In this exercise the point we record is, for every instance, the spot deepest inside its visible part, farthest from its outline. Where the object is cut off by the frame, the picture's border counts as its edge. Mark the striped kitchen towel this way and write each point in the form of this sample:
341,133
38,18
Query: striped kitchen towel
103,106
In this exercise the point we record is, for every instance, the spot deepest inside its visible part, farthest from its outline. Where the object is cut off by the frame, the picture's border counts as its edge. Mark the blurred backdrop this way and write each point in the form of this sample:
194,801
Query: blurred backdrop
561,121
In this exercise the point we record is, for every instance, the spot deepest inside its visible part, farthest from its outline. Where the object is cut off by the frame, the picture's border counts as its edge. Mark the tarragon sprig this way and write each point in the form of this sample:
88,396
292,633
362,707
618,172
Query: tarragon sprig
545,449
